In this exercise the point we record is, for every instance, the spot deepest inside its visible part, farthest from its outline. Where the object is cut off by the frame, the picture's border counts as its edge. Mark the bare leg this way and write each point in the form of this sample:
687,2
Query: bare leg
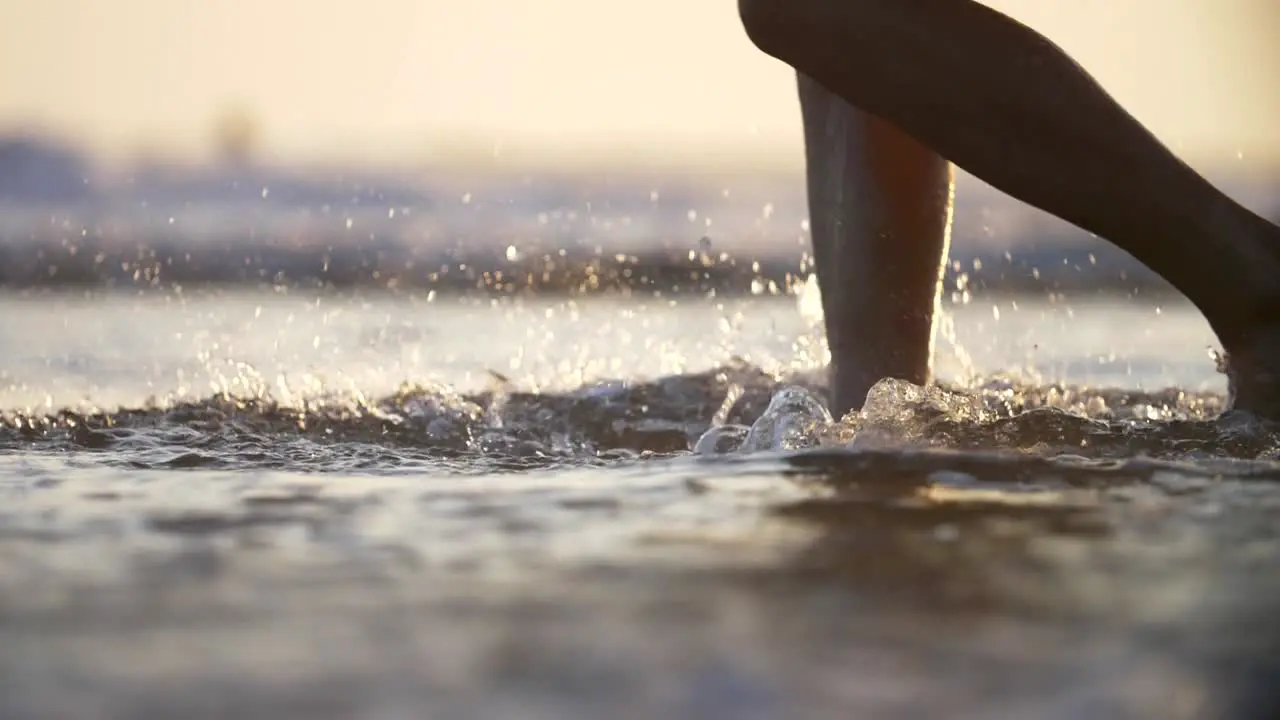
1004,103
880,212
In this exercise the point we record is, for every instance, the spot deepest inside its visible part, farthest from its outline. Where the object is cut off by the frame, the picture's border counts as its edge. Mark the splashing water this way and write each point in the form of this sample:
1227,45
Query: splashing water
394,527
792,421
809,301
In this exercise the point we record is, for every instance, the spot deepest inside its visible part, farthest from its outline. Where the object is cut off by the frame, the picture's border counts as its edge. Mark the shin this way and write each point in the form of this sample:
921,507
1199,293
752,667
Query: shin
880,213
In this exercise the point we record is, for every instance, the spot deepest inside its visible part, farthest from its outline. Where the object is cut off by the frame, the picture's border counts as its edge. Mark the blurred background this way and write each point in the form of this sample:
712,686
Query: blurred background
418,136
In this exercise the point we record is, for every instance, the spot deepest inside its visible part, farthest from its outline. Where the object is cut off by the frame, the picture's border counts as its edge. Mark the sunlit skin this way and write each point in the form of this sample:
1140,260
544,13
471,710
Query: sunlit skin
980,90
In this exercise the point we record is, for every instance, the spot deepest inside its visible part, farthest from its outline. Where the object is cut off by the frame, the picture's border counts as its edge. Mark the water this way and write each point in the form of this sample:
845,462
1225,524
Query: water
280,504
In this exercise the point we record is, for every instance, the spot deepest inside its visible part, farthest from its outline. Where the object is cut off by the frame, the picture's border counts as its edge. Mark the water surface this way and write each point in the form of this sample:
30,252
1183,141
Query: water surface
280,504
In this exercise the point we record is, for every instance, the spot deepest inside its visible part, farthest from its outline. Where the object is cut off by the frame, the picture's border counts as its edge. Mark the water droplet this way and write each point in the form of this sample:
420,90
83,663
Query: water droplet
721,440
791,422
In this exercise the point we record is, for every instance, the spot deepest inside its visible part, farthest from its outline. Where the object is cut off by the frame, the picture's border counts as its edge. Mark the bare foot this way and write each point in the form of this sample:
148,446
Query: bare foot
1252,367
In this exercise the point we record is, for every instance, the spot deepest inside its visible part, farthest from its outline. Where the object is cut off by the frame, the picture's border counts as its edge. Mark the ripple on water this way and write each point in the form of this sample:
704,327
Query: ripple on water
705,545
503,429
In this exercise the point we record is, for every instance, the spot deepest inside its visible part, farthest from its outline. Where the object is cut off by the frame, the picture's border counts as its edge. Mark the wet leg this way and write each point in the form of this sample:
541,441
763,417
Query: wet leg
1001,101
879,216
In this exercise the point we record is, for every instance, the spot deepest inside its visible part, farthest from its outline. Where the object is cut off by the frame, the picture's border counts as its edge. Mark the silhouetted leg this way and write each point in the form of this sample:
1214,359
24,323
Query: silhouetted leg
880,216
1001,101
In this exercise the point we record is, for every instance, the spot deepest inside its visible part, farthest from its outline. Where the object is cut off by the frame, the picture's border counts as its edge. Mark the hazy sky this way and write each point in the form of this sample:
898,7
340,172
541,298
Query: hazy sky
381,78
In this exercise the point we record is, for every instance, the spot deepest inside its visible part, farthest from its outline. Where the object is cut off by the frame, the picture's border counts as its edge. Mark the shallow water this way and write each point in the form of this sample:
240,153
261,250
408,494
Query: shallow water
286,505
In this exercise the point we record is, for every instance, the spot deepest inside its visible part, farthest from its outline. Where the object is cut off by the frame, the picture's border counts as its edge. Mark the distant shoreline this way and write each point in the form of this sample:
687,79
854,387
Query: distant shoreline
493,228
554,266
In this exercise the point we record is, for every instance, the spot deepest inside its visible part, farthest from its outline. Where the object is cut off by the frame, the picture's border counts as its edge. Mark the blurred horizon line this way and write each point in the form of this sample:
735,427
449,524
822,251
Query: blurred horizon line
480,153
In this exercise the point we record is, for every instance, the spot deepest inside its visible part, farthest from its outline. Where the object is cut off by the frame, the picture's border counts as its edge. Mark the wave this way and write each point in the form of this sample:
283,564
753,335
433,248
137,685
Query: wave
729,410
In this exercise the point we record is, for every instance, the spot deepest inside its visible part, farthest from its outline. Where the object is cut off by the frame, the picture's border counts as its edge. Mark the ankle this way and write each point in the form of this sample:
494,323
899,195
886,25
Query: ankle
1252,368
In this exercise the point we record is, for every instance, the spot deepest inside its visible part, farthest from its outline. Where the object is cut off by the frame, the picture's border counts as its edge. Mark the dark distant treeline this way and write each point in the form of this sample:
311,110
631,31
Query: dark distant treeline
473,268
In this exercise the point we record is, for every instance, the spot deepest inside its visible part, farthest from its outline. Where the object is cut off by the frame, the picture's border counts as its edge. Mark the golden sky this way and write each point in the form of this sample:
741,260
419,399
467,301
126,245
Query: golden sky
383,78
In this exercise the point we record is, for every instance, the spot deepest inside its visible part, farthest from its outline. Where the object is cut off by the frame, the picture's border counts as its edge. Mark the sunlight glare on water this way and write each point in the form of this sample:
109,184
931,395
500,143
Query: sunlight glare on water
376,503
